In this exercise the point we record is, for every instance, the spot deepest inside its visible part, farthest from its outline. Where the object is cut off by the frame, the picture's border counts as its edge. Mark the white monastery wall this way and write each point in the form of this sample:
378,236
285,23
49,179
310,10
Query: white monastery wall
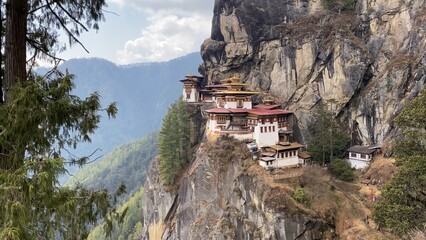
266,134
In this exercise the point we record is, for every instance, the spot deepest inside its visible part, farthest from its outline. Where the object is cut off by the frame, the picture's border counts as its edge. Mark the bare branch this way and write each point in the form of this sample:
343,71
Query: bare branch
36,45
72,17
32,60
86,157
70,34
114,13
38,8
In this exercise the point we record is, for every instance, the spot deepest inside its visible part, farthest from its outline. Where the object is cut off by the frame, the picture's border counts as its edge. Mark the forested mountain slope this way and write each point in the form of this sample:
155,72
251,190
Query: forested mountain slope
126,165
142,92
131,227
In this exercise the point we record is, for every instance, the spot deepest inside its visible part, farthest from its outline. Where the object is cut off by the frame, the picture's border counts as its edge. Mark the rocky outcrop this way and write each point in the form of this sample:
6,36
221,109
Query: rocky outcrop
224,194
366,60
217,198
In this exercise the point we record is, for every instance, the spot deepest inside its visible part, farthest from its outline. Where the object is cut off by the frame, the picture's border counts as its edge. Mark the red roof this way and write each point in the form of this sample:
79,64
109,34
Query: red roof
266,112
259,112
263,106
227,110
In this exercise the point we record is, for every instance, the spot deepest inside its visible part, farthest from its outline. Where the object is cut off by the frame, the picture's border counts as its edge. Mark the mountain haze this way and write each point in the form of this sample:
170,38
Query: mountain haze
142,93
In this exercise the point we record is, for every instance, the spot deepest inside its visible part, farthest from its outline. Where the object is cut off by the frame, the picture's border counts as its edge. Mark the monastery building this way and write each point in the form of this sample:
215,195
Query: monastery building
234,114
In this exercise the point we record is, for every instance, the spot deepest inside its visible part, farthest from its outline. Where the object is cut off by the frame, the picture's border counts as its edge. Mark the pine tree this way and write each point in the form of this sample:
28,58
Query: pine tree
403,203
42,118
174,141
39,117
328,139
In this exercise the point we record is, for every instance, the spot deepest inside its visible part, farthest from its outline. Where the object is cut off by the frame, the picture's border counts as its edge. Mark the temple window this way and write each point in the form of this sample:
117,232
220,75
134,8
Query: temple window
221,119
240,103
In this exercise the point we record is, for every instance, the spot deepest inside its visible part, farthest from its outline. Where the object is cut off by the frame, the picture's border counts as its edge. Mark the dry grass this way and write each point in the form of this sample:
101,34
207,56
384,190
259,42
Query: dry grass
380,171
400,60
156,230
337,202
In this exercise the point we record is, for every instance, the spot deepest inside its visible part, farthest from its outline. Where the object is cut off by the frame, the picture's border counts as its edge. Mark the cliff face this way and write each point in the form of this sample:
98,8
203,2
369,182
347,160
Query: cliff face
366,63
223,194
219,198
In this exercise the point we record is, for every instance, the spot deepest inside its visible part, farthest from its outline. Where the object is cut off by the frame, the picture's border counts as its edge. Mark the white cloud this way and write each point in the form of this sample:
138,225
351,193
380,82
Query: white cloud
176,28
178,6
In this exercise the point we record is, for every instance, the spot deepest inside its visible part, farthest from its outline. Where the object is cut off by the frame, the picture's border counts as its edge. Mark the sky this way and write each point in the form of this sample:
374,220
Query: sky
137,31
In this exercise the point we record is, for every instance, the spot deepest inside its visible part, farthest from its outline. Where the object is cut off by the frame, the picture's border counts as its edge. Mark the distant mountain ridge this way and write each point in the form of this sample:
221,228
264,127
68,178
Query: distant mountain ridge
142,91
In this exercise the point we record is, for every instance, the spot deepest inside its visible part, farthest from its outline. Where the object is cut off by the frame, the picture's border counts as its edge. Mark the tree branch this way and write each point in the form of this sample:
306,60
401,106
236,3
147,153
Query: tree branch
40,7
66,29
72,17
37,46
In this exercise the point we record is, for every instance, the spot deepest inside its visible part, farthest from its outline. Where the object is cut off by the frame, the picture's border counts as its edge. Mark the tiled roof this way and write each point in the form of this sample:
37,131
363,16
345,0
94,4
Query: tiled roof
227,110
361,149
268,107
304,155
258,112
286,147
226,92
266,112
216,86
189,80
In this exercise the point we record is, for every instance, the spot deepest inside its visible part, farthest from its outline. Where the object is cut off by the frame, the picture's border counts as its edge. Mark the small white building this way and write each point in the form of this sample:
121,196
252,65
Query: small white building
360,156
191,88
278,156
266,125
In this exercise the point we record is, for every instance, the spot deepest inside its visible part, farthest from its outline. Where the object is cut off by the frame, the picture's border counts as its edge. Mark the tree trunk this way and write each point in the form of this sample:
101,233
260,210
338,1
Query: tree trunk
15,46
14,63
1,51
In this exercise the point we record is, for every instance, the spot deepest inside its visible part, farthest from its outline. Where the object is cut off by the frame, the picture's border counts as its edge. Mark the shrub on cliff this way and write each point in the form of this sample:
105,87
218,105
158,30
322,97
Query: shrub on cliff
339,5
342,170
300,195
173,143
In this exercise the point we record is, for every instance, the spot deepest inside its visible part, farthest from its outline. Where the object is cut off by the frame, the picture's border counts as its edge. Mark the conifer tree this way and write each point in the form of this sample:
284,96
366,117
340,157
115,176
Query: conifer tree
39,117
403,203
328,138
174,141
